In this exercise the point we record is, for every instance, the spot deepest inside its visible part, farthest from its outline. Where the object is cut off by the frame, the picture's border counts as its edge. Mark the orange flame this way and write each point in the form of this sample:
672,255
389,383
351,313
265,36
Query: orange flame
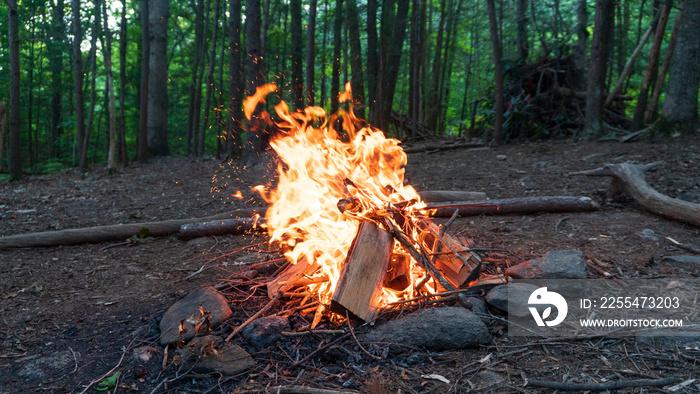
319,170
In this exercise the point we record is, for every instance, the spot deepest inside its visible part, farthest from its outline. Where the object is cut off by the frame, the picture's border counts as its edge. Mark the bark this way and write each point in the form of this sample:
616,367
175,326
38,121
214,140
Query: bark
521,17
324,76
158,15
519,205
498,71
391,58
220,89
416,62
220,227
30,93
310,54
56,65
14,162
198,32
680,109
297,56
372,55
652,109
93,90
210,81
357,83
629,178
652,68
254,145
593,122
337,47
111,162
432,116
581,44
197,106
142,149
3,116
234,128
122,151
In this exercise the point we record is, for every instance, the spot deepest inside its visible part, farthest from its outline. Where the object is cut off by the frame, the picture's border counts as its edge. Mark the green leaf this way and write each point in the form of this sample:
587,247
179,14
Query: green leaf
108,383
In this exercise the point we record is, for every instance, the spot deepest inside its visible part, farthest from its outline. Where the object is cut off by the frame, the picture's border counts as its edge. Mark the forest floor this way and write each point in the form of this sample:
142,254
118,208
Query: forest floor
70,314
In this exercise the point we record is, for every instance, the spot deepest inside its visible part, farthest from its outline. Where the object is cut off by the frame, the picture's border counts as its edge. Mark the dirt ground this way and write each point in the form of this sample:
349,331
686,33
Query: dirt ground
70,314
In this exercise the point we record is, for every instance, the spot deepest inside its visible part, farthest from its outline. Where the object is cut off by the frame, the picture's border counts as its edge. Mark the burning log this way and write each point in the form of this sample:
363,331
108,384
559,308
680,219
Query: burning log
219,227
398,275
456,263
360,285
288,278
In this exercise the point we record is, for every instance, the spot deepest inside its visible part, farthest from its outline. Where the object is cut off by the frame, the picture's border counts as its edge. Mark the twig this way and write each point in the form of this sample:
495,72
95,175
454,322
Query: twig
311,332
75,359
352,332
688,247
602,386
559,222
321,348
107,374
307,390
254,317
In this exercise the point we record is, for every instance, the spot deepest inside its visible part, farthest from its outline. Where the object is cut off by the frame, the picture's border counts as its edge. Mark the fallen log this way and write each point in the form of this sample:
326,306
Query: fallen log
629,178
450,195
118,232
219,227
519,205
438,147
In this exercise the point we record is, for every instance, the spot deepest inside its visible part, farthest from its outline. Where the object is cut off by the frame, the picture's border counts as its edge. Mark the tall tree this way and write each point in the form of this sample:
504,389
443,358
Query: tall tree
498,74
652,110
357,83
194,87
142,149
210,81
78,77
416,62
92,57
158,14
254,144
595,93
297,55
56,47
581,44
14,161
521,22
234,129
372,55
337,48
107,47
680,111
311,54
436,71
121,135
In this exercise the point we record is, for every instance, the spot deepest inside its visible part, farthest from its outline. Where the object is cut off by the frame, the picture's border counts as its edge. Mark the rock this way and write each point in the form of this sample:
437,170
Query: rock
557,264
188,309
266,330
436,328
649,234
501,157
43,367
476,305
518,292
683,259
210,354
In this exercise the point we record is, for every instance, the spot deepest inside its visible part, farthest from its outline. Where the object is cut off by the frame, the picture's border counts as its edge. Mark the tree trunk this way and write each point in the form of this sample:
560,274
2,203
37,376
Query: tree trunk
581,45
389,70
498,71
78,76
30,93
432,116
220,89
681,106
593,122
158,14
197,106
254,145
357,83
111,162
210,81
234,125
372,56
198,32
14,162
3,116
324,76
142,150
521,17
415,67
337,47
93,91
56,64
297,56
652,109
123,154
652,69
310,54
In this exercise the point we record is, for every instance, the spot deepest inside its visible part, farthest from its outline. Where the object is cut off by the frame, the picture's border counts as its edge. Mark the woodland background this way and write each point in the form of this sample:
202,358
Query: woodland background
109,81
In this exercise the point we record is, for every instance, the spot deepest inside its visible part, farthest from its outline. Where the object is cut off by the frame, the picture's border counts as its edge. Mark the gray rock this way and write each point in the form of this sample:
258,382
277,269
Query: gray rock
51,366
188,309
435,328
518,292
501,157
476,305
210,354
264,331
649,234
557,264
683,259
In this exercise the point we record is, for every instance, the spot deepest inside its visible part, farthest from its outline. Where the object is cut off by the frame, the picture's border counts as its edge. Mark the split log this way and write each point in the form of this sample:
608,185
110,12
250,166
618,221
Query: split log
287,278
360,286
520,205
452,265
119,232
398,275
219,227
629,178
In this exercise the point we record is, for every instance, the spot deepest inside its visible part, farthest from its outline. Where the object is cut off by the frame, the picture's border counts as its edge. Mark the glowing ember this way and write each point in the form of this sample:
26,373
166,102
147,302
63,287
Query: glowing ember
357,171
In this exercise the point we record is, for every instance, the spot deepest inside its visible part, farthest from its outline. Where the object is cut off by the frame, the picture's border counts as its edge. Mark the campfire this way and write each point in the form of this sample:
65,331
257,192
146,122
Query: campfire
357,238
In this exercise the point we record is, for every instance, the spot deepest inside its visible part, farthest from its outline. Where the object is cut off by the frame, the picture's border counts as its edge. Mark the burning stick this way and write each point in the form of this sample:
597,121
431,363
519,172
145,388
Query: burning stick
360,285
